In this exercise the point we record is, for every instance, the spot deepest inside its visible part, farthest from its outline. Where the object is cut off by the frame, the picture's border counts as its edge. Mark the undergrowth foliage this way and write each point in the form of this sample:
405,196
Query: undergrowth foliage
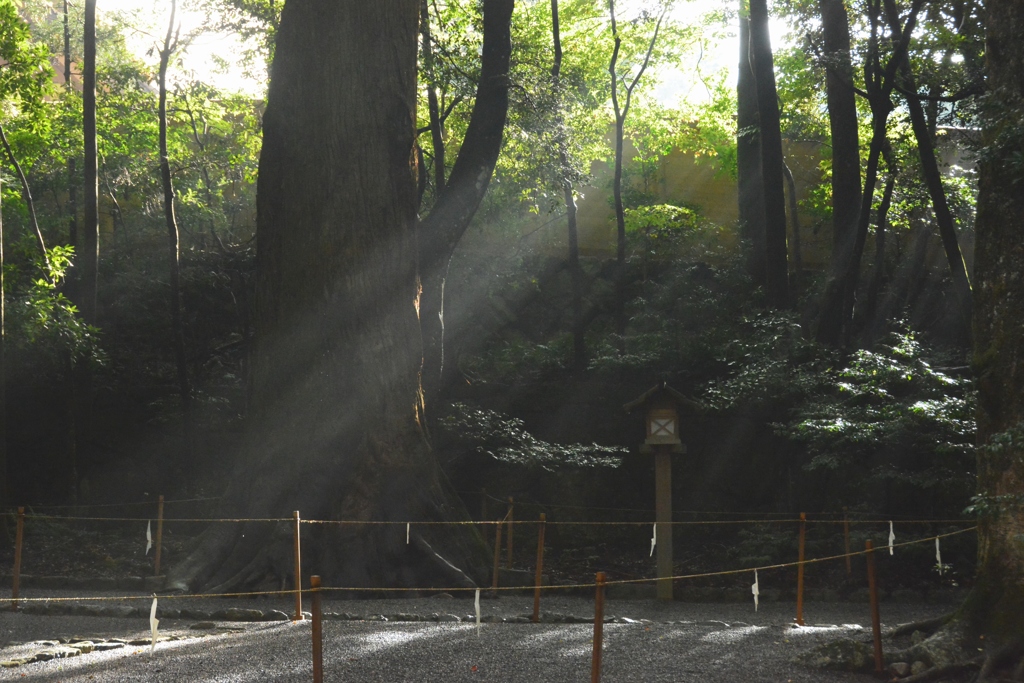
505,439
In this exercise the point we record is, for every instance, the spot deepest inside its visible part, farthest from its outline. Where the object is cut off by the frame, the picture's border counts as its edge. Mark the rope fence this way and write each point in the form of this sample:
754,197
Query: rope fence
599,585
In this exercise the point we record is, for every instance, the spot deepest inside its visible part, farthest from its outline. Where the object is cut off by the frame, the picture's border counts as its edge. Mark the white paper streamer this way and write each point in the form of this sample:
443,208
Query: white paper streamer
756,590
407,533
892,537
153,622
476,606
654,539
149,537
938,555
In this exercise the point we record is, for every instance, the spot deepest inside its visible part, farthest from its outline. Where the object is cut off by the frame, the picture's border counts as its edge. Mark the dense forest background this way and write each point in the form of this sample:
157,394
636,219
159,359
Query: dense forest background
830,355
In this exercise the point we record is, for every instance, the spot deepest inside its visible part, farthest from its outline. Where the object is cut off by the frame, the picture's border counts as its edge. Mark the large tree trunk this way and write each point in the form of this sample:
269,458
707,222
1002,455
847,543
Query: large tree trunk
842,119
336,410
776,282
750,187
997,607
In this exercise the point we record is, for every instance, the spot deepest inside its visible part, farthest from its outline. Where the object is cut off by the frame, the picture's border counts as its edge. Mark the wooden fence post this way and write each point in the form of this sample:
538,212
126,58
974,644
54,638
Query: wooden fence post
538,576
846,539
508,559
298,570
800,571
876,624
318,632
19,538
497,553
595,660
159,535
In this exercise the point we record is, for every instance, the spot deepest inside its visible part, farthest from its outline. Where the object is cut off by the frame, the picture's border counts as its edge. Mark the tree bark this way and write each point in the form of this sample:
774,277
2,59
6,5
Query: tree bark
579,347
842,118
90,256
336,409
447,221
776,260
996,608
173,245
750,186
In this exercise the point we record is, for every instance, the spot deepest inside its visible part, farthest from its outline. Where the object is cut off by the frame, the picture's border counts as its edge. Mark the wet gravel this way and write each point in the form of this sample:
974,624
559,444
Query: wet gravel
665,642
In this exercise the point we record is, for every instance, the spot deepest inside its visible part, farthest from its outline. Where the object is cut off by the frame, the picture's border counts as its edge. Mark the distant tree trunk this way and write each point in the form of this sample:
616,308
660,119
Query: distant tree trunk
579,348
776,261
336,406
173,245
842,118
89,258
5,493
621,110
840,294
436,127
933,180
455,207
794,221
995,609
750,186
26,193
72,158
881,225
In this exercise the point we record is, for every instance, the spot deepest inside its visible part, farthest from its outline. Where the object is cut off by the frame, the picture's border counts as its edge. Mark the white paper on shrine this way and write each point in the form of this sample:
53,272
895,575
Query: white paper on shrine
654,539
407,533
938,555
149,537
476,606
756,590
892,537
153,622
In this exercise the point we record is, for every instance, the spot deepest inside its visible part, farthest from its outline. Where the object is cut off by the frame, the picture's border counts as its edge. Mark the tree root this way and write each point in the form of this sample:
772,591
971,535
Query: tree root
925,626
939,672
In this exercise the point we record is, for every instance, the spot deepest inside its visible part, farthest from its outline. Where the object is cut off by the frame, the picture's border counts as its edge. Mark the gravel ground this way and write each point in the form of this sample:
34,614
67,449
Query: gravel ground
669,642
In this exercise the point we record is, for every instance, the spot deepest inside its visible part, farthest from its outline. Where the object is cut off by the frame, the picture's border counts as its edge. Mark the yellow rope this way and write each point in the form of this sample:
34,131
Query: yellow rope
726,572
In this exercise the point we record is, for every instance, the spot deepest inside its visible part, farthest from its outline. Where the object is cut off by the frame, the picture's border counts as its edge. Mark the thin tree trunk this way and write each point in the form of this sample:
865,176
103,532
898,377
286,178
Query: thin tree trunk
933,180
579,348
842,117
839,298
750,185
89,258
436,126
776,259
441,230
173,244
5,494
621,110
72,159
881,226
26,193
794,221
